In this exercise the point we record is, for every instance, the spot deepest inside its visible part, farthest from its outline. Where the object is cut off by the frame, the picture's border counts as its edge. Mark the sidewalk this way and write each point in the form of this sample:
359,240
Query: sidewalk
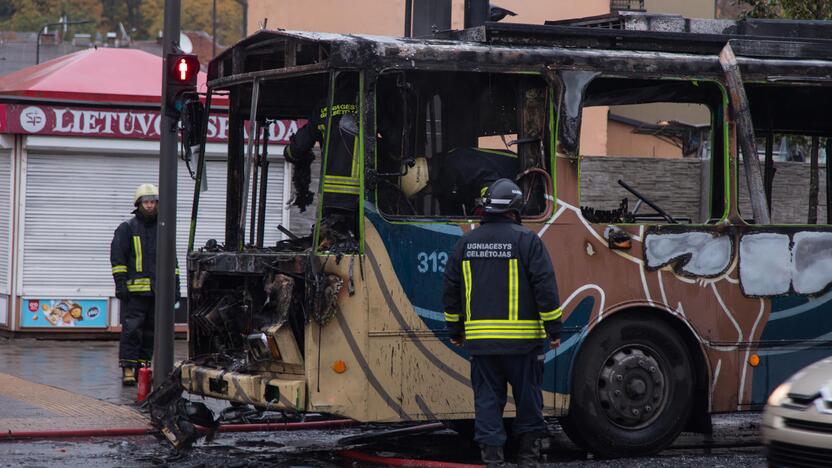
65,385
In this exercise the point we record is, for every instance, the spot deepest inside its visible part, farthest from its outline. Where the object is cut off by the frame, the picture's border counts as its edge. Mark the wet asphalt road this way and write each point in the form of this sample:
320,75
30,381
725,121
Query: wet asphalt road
320,448
90,368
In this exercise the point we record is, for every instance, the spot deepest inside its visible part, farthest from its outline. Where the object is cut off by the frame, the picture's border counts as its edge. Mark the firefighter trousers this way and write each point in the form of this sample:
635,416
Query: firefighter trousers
136,344
490,375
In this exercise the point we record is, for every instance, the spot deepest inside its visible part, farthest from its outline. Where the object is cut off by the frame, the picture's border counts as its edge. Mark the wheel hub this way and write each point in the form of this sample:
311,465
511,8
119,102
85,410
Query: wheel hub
631,387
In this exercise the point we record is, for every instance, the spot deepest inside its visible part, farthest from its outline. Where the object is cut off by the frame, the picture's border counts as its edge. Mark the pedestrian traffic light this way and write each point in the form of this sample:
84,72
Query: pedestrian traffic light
181,70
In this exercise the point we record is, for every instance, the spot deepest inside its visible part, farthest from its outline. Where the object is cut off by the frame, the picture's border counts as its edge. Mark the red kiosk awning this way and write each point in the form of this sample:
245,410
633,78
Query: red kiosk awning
65,97
93,75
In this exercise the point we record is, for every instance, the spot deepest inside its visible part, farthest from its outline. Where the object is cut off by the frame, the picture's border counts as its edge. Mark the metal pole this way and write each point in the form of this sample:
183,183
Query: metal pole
408,18
214,30
201,182
244,5
828,175
476,13
166,233
37,49
45,27
252,136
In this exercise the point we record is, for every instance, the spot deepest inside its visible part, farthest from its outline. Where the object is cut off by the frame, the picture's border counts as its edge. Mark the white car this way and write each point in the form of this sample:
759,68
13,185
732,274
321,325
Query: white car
797,421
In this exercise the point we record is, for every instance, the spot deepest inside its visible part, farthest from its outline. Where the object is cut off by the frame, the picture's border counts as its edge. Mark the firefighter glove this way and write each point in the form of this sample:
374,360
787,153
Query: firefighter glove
121,291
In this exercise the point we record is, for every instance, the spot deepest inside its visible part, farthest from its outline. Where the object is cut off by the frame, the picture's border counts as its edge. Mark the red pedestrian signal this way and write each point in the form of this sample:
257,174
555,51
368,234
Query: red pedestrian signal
183,68
181,73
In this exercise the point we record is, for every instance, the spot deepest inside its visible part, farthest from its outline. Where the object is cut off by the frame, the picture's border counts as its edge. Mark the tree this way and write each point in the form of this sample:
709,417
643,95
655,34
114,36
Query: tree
196,16
30,15
788,9
142,19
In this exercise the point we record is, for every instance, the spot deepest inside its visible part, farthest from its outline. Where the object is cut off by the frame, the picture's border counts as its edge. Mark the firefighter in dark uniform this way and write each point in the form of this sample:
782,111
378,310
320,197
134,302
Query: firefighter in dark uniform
460,177
133,260
341,185
501,301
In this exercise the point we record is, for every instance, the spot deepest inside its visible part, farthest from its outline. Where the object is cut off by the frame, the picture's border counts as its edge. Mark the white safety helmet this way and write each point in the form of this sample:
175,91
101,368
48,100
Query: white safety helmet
147,191
415,178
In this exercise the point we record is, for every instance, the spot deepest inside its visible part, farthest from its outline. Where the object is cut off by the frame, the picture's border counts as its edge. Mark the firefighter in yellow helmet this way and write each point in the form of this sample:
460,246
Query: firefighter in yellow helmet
459,177
133,261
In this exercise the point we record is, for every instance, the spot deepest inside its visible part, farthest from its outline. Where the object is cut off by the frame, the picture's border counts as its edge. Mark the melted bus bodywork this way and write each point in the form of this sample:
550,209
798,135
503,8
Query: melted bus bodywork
662,315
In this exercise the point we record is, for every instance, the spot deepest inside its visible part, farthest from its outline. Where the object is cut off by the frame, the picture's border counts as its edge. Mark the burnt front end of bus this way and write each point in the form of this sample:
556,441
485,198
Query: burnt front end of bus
247,324
253,292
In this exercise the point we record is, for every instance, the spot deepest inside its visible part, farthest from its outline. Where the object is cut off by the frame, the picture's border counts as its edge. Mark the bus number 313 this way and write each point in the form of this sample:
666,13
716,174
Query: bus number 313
432,262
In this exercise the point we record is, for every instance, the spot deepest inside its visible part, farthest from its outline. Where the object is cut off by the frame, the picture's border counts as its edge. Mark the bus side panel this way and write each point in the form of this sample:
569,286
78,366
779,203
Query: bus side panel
341,343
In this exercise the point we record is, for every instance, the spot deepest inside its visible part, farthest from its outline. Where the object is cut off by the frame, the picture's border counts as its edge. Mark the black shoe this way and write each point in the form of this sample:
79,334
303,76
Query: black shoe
128,376
528,456
492,456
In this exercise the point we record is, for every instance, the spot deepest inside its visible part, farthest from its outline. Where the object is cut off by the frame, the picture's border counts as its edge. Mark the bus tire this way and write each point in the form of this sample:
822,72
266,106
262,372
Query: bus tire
632,388
571,432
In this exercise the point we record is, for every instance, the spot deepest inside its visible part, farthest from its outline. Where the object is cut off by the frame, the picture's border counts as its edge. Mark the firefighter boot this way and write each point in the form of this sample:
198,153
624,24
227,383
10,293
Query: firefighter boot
528,456
492,456
128,376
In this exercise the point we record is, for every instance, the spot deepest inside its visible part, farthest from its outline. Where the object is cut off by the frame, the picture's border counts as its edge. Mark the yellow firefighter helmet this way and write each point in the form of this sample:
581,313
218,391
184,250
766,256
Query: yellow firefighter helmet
415,178
145,190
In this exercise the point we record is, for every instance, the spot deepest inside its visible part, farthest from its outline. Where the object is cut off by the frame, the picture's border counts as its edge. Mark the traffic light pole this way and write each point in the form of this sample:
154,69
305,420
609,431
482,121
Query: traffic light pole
166,240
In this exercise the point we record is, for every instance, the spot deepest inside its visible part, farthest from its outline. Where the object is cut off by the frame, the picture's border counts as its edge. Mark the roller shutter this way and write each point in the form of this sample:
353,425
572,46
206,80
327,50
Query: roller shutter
5,219
74,202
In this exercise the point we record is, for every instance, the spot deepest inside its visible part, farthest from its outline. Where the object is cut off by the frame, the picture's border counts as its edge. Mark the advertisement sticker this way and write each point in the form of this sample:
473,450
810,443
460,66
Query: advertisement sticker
60,313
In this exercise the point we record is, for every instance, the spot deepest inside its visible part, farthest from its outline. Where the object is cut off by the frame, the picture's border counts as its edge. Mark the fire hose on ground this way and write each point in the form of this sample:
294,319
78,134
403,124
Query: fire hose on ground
138,431
406,462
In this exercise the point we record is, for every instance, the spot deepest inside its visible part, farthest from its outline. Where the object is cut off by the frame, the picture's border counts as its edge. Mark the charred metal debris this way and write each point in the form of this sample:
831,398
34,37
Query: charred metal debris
177,418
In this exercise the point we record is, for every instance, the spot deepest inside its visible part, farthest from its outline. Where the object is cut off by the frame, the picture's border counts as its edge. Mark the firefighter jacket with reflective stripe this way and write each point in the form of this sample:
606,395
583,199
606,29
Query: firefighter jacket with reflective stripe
133,256
341,180
500,291
465,173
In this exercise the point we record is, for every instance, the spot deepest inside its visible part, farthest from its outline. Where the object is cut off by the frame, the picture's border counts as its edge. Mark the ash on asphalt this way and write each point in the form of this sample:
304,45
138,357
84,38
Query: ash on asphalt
319,448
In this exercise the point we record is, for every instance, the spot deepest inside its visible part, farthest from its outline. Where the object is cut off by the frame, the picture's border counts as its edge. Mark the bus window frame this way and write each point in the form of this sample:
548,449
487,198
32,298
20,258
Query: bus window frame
728,160
333,77
552,93
740,182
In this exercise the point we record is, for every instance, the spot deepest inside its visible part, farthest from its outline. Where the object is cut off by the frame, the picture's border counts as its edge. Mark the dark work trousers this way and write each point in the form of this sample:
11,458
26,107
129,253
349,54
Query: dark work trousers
136,345
489,376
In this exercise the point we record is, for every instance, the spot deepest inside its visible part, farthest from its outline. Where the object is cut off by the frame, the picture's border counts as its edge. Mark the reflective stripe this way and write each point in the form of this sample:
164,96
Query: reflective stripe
119,269
137,248
504,323
451,317
177,271
139,281
466,275
345,189
354,170
138,287
504,330
551,315
505,335
513,301
343,180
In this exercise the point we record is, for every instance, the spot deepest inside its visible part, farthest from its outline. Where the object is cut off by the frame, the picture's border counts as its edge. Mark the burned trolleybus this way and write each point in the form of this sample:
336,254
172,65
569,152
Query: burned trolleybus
699,304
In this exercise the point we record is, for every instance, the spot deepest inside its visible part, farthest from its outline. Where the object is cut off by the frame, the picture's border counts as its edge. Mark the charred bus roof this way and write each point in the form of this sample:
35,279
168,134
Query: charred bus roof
626,44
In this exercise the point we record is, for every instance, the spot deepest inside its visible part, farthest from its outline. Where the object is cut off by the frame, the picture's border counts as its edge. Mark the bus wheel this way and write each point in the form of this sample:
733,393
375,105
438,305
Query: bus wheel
632,389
